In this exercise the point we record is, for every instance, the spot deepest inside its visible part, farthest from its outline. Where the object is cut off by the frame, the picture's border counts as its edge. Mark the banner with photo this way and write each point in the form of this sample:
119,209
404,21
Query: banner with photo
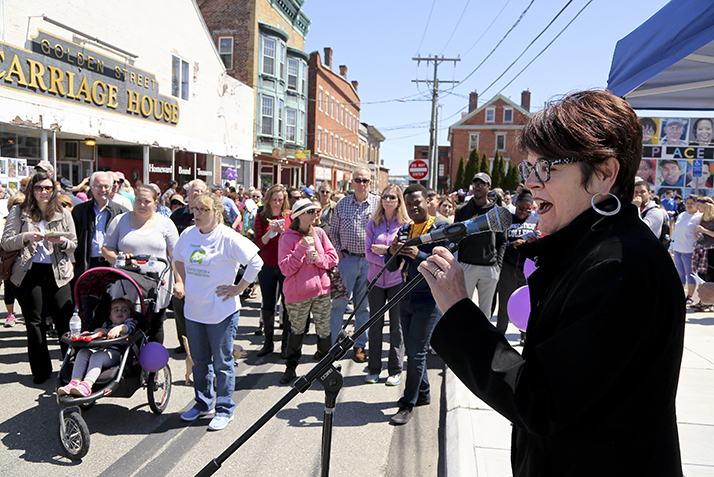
678,155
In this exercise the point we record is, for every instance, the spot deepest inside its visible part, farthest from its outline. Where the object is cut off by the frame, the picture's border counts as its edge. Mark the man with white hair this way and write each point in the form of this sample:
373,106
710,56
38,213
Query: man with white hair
91,219
115,193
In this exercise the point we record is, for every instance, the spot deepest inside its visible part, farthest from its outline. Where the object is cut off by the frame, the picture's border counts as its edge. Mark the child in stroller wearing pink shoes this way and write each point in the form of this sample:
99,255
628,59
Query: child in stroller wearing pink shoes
93,360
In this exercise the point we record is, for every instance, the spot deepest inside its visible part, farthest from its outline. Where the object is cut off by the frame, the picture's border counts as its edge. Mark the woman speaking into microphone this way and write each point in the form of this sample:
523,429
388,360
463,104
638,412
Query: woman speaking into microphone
594,391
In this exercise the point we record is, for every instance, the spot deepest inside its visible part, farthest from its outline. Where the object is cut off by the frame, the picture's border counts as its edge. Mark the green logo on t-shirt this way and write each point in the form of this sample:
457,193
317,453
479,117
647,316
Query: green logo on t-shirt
197,256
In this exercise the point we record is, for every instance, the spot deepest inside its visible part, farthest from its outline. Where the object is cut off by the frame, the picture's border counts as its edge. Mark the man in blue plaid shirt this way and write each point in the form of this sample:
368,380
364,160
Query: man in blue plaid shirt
348,232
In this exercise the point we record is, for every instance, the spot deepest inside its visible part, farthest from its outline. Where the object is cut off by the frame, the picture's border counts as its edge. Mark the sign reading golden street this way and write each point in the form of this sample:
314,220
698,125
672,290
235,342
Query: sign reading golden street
64,70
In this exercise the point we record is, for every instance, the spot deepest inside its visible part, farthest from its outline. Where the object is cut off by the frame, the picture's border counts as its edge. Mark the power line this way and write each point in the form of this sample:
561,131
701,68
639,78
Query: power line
547,46
498,44
487,29
457,26
528,47
426,26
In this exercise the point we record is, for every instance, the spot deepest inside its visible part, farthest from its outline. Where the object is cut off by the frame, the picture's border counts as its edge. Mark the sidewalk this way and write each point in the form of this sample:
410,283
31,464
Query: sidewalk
479,439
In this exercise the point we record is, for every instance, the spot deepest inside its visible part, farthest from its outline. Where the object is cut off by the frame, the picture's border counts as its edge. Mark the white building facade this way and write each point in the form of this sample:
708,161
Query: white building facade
141,79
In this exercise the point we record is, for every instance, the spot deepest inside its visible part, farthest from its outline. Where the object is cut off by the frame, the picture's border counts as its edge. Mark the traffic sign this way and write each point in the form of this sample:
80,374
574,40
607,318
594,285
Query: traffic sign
418,169
697,165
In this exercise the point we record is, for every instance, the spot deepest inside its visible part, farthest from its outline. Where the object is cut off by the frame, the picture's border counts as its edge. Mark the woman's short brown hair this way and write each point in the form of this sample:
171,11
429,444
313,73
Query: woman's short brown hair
590,125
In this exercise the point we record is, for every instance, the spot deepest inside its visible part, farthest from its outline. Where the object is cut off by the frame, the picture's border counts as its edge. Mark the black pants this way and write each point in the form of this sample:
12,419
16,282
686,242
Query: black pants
37,290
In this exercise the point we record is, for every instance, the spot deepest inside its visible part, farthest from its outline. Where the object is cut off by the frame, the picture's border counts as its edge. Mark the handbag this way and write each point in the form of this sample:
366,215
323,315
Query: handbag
6,263
338,291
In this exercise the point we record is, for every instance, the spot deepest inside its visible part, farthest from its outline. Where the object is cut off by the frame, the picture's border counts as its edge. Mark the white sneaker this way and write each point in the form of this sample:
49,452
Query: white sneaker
219,422
394,380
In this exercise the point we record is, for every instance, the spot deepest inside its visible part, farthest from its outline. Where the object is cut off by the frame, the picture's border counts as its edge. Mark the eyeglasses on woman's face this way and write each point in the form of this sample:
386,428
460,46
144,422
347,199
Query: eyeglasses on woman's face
200,210
541,167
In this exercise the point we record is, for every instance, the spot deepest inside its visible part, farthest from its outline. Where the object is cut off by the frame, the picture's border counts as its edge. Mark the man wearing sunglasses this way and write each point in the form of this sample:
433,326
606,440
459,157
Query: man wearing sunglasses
348,233
481,255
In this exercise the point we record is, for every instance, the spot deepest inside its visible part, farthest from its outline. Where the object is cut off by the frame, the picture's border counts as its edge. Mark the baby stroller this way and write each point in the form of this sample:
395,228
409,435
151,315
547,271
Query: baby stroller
93,293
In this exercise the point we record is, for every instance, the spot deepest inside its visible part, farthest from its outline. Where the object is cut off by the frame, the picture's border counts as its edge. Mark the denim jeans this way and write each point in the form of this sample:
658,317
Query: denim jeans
419,315
354,275
211,350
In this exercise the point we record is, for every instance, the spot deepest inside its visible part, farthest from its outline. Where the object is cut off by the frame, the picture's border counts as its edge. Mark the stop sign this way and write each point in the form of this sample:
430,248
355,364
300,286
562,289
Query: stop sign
418,169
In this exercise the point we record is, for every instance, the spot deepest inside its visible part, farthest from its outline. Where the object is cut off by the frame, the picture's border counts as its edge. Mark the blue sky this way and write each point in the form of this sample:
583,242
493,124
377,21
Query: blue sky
377,39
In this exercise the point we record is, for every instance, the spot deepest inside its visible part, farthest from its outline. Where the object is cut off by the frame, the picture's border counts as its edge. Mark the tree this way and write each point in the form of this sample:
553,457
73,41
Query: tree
459,175
485,167
470,170
512,177
499,171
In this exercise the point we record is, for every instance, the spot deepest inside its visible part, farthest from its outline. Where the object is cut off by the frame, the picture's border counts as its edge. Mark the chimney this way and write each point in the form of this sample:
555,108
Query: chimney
473,101
328,57
343,71
355,84
526,100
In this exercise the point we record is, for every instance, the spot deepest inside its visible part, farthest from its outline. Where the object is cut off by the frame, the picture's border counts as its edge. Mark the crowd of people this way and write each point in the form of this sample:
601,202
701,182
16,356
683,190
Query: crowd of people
594,229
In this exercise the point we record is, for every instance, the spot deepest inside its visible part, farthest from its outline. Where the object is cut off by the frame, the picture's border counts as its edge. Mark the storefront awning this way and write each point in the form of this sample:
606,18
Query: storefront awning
668,61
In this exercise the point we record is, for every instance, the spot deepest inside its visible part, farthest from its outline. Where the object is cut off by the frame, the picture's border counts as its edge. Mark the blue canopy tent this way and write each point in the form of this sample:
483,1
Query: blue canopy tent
668,61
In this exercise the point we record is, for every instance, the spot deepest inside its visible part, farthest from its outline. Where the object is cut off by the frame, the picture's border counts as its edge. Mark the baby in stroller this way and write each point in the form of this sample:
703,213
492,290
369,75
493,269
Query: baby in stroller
89,362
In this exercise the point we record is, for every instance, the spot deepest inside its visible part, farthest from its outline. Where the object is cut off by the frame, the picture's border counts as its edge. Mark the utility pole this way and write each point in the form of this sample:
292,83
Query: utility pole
432,178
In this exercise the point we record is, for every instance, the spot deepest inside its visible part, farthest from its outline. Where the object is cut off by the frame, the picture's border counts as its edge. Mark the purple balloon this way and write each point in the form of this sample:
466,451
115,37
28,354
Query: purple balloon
519,307
528,267
153,356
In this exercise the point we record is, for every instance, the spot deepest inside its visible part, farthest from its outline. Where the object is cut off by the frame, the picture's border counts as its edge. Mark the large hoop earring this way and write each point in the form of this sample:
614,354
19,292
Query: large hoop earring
604,212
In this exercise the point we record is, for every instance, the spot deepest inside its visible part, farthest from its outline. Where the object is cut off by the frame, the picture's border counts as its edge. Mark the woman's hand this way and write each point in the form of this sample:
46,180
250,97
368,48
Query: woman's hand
379,249
32,236
230,291
179,291
307,241
703,230
445,278
59,240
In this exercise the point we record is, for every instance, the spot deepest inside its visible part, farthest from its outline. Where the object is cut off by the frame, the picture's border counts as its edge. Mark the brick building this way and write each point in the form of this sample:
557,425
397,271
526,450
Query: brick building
332,123
444,178
488,129
369,140
261,42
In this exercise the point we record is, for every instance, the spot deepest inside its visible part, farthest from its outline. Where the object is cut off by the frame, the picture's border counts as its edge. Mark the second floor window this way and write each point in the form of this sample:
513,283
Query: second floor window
280,118
318,143
290,124
292,74
490,115
501,142
225,49
268,56
473,141
266,115
179,78
507,115
319,99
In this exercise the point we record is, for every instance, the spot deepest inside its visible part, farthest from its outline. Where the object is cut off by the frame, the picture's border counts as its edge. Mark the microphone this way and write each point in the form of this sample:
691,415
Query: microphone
497,219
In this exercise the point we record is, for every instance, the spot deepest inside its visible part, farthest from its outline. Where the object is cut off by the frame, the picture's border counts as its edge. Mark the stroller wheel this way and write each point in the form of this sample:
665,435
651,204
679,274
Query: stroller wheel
159,389
75,435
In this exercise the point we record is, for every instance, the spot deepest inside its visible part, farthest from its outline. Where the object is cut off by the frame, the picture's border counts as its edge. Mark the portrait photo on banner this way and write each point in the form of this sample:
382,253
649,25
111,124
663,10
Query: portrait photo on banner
650,126
670,172
701,132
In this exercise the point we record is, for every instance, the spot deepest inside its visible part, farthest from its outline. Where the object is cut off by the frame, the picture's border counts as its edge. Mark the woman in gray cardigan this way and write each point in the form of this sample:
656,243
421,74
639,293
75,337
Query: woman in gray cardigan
43,231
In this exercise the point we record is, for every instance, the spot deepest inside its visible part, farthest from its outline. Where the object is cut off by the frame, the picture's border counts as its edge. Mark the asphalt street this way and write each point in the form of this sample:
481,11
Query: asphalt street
127,439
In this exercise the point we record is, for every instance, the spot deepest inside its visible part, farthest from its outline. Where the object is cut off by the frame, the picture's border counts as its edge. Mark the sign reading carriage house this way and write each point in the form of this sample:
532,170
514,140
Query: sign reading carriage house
68,71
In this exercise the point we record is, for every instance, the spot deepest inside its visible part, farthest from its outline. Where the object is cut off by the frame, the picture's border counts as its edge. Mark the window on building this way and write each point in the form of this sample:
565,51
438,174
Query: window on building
319,99
302,128
318,143
332,108
424,153
268,56
342,114
500,142
473,141
332,144
266,115
225,49
280,118
325,138
282,61
441,170
490,115
304,79
507,115
290,124
292,74
179,78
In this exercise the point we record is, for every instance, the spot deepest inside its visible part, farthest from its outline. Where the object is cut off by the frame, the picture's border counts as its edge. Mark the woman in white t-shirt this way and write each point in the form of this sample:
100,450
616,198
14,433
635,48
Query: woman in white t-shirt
144,232
206,258
683,239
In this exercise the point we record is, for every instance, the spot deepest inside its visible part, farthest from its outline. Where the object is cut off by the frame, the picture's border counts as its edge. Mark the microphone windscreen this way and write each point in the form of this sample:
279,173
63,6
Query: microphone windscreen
499,219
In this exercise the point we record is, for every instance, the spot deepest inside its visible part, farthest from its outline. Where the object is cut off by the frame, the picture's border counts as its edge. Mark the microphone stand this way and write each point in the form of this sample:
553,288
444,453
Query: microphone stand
328,374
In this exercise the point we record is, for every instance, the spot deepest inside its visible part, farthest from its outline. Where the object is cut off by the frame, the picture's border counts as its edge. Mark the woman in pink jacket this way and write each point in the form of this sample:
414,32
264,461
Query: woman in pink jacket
305,254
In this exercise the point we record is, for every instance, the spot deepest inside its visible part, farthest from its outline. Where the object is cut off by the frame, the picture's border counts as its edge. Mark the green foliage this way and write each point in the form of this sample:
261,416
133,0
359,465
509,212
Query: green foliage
459,175
470,170
485,166
511,177
499,172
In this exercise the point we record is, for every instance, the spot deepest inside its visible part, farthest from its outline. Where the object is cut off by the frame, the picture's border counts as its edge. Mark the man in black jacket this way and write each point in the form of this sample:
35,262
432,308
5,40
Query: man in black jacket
481,255
91,219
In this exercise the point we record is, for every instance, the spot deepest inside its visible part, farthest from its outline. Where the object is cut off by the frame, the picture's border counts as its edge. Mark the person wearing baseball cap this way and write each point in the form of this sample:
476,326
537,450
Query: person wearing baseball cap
45,166
673,131
481,255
